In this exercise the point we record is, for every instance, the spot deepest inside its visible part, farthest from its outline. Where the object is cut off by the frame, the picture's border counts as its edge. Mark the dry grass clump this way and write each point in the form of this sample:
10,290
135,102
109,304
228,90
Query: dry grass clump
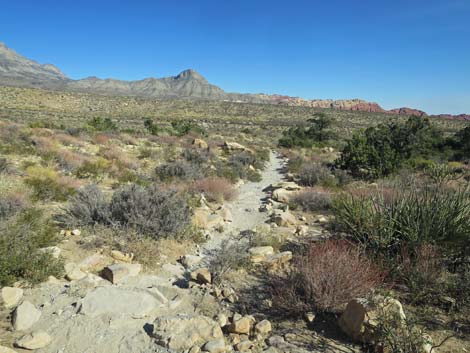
48,185
325,279
215,189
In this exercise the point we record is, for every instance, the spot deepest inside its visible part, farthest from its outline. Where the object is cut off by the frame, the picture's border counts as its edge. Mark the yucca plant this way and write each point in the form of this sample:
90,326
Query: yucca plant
386,221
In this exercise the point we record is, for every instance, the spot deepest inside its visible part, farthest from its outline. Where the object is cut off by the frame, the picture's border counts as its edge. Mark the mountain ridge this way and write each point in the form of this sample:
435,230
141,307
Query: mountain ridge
17,70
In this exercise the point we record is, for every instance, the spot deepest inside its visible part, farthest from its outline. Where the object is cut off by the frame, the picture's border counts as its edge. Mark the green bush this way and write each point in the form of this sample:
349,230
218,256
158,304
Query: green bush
380,151
151,127
47,185
99,124
388,220
316,133
184,127
20,238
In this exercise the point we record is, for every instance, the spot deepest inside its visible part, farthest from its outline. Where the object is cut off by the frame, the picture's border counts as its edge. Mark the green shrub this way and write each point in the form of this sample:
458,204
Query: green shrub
20,238
11,204
95,169
99,124
184,127
316,133
409,216
46,185
380,151
151,127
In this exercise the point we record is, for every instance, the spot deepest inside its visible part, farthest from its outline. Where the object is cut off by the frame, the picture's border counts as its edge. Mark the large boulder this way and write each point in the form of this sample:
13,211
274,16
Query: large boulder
25,316
181,332
284,219
11,296
35,340
287,185
283,195
207,220
118,301
359,319
200,143
241,325
259,253
119,272
235,146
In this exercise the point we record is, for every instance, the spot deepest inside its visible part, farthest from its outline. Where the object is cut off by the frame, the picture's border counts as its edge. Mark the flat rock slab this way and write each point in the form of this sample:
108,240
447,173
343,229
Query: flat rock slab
119,301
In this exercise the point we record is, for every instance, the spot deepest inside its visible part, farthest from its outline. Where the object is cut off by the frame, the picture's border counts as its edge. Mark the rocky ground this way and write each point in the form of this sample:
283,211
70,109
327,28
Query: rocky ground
122,309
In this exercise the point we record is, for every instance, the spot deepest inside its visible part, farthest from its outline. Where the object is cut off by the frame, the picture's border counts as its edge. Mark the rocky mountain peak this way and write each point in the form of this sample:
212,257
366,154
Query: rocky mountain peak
190,74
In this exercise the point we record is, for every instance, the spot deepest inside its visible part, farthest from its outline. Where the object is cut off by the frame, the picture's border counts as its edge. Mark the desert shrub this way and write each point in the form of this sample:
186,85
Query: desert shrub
240,166
422,270
313,174
399,336
20,238
390,219
47,185
181,170
196,156
381,150
441,174
311,199
94,169
100,124
295,164
11,204
88,207
316,132
151,127
184,127
231,256
152,211
325,279
215,189
460,288
4,166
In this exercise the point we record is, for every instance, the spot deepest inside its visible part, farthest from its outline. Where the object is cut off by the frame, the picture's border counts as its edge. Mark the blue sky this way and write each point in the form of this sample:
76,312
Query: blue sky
397,53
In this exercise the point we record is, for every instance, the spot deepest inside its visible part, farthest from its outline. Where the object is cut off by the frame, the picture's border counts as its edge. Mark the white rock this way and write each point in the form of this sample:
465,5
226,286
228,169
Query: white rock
118,301
54,251
73,272
11,296
76,232
259,253
181,332
215,346
189,261
35,340
25,316
118,272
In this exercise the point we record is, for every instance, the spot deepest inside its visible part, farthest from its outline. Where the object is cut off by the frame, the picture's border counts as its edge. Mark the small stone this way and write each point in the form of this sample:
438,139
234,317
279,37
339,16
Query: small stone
76,232
35,340
92,262
202,276
234,338
232,298
226,292
11,296
73,272
263,327
278,260
222,320
53,280
189,261
118,272
216,292
25,316
275,341
215,346
244,346
121,257
242,325
309,316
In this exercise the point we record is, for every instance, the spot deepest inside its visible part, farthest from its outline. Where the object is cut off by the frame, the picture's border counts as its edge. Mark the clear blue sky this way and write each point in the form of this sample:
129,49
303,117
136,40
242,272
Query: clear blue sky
395,52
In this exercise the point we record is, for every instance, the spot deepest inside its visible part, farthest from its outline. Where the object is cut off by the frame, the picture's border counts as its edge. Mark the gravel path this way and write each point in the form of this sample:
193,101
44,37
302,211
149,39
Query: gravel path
244,209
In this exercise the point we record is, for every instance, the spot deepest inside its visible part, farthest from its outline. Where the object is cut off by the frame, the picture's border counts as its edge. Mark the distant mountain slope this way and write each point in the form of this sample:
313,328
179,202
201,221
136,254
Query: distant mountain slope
16,70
